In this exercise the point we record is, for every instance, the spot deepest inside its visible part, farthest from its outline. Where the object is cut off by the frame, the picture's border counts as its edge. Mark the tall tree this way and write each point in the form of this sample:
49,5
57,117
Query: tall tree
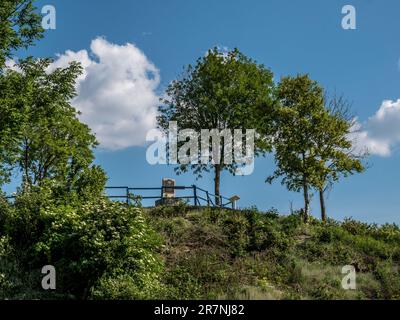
20,26
11,120
334,148
301,108
222,91
52,143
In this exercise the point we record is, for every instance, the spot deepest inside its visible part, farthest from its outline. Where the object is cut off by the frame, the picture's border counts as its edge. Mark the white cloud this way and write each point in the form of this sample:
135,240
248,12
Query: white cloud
63,60
381,132
11,64
116,92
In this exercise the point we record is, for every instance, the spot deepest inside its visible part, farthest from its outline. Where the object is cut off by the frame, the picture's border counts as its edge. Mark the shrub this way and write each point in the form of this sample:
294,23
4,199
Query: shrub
88,242
291,222
182,284
235,227
358,228
10,282
389,278
96,239
330,233
180,209
126,287
5,209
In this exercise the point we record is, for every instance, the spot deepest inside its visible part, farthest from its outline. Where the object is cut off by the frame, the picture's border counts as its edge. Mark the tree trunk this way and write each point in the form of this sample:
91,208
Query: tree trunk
306,201
217,179
322,202
305,193
27,178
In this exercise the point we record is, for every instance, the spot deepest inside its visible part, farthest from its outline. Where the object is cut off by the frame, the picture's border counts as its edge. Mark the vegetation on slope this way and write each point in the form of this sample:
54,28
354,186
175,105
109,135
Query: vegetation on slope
106,250
213,253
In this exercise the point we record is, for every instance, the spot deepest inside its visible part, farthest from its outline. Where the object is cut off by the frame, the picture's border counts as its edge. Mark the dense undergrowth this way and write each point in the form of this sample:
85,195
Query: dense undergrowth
106,250
247,254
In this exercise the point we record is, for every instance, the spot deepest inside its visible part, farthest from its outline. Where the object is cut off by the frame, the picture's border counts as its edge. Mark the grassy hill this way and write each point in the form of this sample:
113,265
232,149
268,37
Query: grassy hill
108,250
219,254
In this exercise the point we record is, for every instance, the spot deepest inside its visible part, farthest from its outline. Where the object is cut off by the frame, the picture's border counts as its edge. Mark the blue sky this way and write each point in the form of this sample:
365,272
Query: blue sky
289,37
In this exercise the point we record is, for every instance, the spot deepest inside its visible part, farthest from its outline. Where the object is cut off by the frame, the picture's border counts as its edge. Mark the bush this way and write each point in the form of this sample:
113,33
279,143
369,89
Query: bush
357,228
389,277
98,239
10,282
182,284
87,242
126,287
291,222
235,226
179,209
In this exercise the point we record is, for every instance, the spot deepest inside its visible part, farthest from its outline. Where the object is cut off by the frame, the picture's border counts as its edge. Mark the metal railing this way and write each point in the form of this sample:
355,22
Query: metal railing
199,196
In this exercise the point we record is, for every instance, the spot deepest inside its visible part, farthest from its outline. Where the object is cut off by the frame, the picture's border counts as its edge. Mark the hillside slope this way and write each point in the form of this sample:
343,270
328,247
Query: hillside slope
224,254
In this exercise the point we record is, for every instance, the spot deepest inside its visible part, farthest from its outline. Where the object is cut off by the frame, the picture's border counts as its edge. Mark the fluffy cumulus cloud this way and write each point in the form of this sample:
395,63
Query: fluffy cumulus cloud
117,92
381,132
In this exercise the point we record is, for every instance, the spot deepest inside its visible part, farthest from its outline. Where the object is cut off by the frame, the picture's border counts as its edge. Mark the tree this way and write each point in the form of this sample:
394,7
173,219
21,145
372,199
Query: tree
10,122
222,91
296,128
334,149
52,142
20,26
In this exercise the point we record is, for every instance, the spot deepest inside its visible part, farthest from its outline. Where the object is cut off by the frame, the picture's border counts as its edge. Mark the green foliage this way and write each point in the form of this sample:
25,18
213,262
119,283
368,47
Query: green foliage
295,120
169,211
100,249
302,107
253,255
105,250
11,120
389,277
311,140
96,239
55,144
126,287
334,149
222,91
182,284
42,135
9,269
20,26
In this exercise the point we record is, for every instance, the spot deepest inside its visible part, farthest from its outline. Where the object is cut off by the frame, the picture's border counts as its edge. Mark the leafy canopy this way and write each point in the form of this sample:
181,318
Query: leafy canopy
297,124
49,141
222,91
20,26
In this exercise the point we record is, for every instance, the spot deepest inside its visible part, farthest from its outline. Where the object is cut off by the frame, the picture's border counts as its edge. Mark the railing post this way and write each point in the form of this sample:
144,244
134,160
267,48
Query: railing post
127,196
195,194
220,201
208,199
